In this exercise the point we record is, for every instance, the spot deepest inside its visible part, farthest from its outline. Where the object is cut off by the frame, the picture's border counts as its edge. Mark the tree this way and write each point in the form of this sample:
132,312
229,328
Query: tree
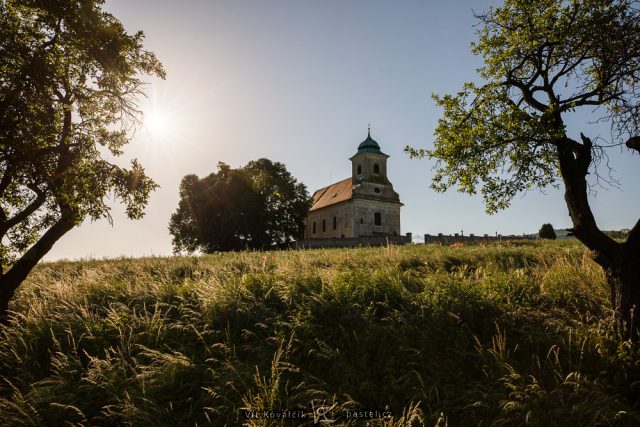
69,78
258,206
286,202
544,60
547,232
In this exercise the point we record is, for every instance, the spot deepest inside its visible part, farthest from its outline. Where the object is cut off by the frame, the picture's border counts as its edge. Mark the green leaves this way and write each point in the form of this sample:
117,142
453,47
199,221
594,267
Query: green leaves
70,77
485,141
542,60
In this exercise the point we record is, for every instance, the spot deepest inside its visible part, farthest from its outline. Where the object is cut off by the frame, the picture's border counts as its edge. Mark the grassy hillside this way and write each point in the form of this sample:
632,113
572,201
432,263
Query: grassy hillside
477,335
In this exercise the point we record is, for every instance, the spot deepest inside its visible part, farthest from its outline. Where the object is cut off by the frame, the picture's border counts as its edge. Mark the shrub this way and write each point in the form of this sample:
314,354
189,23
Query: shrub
547,232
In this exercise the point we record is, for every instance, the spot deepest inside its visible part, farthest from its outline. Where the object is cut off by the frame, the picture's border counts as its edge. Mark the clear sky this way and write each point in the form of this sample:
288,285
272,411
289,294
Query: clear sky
297,81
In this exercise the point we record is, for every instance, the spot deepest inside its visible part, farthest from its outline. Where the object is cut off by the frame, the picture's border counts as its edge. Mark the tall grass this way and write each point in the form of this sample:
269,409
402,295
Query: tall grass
478,335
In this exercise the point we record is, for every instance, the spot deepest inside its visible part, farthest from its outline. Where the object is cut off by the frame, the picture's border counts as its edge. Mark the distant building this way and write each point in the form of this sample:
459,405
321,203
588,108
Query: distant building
360,206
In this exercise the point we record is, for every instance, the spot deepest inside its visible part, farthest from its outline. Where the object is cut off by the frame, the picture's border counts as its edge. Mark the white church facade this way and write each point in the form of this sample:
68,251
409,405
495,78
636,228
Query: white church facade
364,206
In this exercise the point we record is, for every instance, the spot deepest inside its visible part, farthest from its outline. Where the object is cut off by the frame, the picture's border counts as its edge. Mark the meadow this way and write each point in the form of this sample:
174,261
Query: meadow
505,334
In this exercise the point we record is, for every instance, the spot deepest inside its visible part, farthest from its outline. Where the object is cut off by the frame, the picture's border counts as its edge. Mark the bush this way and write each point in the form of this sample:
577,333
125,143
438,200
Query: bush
547,232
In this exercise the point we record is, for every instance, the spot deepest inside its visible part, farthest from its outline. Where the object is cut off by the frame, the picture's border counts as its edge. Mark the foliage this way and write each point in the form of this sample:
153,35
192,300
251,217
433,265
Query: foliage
475,335
543,59
257,206
547,232
69,78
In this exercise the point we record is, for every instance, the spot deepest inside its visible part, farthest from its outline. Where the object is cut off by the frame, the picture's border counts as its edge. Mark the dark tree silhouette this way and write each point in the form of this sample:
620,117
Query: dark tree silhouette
258,206
547,232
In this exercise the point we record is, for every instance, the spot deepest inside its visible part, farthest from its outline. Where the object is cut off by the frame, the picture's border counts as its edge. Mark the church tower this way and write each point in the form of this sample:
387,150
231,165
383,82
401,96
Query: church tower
369,172
376,204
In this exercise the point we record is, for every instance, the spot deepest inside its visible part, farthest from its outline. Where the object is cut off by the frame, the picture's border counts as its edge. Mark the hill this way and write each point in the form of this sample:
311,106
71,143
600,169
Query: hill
504,335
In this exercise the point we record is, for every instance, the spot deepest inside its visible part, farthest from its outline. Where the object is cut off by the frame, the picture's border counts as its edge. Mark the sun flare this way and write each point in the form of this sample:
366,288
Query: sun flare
168,117
157,123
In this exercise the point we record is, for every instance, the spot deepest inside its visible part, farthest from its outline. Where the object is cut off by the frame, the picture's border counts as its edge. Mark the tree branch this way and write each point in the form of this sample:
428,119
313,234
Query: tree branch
55,149
7,224
574,160
527,94
6,180
64,161
633,143
568,67
584,99
633,240
585,156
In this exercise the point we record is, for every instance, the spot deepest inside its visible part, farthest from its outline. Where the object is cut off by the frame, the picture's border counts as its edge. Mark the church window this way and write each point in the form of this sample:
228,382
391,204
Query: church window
359,169
377,218
376,168
324,225
314,228
361,220
335,222
377,190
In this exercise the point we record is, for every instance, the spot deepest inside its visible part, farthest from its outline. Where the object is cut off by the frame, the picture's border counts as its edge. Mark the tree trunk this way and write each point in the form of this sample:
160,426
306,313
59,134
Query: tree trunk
4,307
621,261
12,279
624,284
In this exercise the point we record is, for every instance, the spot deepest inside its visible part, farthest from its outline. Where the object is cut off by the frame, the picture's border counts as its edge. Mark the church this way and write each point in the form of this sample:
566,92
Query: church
361,206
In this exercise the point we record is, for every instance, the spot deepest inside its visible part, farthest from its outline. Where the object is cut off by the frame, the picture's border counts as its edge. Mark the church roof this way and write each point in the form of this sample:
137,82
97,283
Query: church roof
369,145
334,193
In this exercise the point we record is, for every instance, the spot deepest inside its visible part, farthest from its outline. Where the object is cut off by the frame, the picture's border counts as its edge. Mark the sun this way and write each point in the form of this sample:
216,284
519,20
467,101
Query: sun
167,117
157,123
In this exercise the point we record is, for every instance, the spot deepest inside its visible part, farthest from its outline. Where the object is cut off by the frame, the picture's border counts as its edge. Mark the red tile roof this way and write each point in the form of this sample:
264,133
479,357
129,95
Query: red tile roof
335,193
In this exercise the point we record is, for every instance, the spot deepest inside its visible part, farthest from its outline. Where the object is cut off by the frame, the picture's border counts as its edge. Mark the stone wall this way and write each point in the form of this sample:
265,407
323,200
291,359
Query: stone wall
402,240
457,238
352,242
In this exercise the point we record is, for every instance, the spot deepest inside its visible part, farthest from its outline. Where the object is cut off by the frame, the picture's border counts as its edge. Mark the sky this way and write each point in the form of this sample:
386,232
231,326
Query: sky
299,81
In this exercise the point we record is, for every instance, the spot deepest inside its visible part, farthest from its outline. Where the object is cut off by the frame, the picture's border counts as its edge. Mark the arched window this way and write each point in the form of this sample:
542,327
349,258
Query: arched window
377,218
359,169
335,222
376,168
314,228
324,225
